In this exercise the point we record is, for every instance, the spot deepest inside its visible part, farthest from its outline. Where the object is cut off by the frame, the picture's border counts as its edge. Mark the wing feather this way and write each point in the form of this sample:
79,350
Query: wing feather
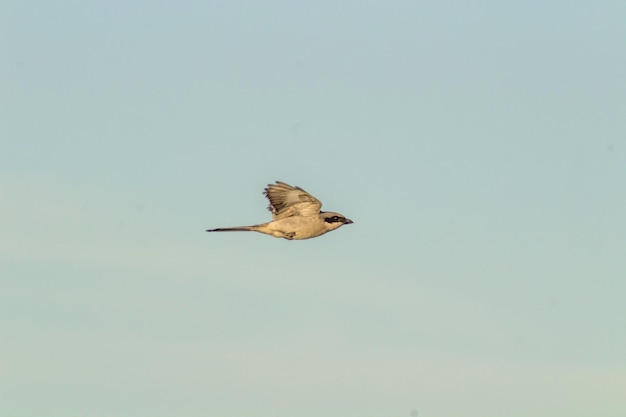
287,201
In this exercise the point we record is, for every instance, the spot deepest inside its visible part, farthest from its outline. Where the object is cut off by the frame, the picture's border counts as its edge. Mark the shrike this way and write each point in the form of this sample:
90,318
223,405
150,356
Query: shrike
295,215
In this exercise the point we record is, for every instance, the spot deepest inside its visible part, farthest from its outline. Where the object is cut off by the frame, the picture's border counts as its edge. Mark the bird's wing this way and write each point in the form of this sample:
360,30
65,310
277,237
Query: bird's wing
287,201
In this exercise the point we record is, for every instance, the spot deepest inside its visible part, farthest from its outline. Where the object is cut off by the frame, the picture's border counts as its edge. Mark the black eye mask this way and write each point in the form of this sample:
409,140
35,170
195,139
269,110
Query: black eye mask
334,219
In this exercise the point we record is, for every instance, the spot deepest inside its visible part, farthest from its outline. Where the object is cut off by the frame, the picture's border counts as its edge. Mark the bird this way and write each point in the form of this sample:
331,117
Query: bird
296,215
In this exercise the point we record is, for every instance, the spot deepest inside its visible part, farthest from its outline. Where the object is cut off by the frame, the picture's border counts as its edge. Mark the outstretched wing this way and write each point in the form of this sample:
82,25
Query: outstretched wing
288,201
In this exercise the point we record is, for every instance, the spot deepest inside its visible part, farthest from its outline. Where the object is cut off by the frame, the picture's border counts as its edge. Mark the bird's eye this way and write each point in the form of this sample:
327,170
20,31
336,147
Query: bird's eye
333,219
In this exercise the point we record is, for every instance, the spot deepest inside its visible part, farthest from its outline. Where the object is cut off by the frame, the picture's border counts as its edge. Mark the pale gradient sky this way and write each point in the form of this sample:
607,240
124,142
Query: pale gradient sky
480,149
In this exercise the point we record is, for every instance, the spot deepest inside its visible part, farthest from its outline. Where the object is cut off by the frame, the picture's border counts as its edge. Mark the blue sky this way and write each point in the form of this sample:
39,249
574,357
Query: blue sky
480,149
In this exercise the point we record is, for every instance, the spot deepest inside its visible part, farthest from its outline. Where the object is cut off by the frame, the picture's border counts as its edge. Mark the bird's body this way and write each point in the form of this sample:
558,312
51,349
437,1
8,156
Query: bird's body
296,215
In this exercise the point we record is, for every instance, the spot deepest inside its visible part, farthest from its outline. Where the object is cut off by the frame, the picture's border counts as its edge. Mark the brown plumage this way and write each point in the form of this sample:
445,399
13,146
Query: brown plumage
296,215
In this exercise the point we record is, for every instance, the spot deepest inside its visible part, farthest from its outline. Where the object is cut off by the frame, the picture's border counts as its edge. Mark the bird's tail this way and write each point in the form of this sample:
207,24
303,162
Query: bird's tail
234,229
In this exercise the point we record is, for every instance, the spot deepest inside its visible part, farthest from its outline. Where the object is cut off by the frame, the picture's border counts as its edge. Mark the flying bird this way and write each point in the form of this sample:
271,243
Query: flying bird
296,215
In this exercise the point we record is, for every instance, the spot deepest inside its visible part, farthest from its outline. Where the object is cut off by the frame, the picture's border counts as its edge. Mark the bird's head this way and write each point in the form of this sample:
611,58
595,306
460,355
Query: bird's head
334,221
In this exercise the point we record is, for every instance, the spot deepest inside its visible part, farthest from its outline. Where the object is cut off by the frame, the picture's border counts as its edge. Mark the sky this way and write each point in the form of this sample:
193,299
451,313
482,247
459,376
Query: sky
479,148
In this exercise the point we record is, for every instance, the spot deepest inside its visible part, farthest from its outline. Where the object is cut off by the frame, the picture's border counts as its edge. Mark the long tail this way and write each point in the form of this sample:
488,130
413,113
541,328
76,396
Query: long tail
234,229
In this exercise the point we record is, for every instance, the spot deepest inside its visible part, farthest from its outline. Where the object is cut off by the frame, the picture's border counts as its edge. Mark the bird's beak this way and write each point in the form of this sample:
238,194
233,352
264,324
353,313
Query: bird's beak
347,221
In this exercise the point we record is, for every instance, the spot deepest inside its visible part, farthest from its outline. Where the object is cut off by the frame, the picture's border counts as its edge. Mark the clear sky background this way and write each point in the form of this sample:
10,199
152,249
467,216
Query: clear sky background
480,149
